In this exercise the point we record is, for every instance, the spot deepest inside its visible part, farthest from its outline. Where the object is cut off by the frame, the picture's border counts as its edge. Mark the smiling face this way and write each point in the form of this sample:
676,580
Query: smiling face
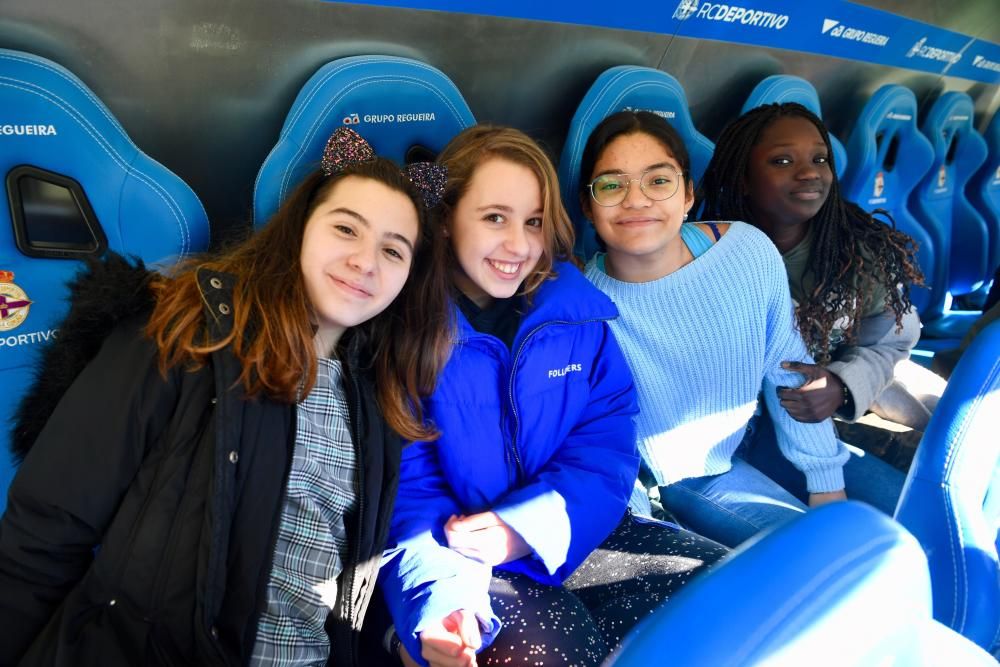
496,231
357,248
639,226
788,174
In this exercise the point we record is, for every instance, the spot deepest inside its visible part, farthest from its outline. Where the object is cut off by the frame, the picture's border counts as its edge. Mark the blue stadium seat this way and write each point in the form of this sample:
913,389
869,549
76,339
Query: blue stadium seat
623,88
984,191
887,156
950,499
841,585
957,230
781,88
399,105
76,185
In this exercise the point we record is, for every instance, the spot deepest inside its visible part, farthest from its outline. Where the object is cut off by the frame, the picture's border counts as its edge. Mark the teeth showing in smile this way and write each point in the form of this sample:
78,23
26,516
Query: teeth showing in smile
504,267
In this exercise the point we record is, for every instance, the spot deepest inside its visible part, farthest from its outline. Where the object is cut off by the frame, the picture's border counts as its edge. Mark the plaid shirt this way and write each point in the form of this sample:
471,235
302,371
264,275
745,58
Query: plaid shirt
312,537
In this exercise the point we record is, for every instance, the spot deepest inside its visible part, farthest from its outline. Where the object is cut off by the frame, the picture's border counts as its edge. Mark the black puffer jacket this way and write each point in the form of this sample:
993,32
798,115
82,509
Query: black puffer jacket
141,525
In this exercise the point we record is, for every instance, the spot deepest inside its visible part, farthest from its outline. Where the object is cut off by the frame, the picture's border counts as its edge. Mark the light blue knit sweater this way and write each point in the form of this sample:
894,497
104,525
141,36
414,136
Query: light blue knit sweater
701,343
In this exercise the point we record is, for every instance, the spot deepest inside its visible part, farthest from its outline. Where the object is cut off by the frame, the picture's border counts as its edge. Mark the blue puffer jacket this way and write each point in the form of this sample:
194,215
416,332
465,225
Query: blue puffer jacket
543,436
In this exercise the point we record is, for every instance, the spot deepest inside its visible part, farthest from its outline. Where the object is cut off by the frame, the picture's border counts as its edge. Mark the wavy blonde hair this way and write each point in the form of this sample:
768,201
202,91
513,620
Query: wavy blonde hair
480,143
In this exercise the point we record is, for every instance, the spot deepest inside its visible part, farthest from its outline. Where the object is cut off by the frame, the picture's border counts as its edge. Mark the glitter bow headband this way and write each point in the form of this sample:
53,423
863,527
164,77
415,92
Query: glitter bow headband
346,147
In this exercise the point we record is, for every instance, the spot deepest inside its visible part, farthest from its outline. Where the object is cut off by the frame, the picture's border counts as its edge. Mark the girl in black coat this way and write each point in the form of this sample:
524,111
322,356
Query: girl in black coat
215,481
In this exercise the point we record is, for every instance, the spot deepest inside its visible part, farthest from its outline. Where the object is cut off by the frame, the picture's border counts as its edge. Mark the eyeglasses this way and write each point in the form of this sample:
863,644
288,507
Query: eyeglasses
657,183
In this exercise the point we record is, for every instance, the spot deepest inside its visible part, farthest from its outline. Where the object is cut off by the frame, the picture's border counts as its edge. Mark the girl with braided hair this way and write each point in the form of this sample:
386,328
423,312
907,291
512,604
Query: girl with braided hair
849,273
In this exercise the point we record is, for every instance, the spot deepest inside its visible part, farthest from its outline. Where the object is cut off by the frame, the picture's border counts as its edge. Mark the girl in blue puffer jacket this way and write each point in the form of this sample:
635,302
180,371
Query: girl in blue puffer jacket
510,536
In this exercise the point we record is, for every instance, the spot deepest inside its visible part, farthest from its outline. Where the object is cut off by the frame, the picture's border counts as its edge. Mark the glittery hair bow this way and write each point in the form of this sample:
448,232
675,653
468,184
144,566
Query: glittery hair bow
346,147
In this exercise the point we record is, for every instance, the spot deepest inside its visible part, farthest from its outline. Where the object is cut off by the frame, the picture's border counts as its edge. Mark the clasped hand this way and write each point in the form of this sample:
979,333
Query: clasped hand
819,396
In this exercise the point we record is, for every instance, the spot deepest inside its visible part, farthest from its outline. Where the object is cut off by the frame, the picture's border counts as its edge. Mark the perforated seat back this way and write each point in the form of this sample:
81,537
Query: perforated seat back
623,88
948,501
781,88
75,186
399,105
959,234
887,156
984,191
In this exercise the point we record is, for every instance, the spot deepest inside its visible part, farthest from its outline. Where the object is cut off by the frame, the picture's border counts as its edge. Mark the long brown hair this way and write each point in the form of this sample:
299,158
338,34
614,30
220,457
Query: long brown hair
272,334
479,143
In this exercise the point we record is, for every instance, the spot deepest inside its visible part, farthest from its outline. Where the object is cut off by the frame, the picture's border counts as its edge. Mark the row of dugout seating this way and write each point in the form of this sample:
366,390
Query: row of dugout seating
129,203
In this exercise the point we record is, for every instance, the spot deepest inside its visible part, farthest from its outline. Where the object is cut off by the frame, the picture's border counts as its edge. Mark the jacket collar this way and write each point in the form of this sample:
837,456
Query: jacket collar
217,296
569,297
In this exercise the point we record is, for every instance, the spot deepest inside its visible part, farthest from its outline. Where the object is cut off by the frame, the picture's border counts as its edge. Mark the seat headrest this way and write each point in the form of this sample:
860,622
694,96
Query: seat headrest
396,104
53,122
76,185
622,88
887,156
781,88
984,189
855,573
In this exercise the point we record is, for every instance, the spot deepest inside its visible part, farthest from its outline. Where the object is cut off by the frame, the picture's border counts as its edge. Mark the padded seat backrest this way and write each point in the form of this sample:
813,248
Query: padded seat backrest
398,105
622,88
841,580
75,186
958,231
983,191
887,156
948,501
781,88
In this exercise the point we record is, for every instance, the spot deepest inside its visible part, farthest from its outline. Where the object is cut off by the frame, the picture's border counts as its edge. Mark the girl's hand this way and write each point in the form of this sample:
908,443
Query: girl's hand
451,643
485,538
818,398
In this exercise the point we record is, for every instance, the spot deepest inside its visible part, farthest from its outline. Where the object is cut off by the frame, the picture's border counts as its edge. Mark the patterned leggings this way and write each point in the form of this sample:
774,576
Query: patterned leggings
634,571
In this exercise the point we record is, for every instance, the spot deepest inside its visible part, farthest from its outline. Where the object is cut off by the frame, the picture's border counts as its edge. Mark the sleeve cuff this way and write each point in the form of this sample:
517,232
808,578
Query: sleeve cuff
825,480
542,521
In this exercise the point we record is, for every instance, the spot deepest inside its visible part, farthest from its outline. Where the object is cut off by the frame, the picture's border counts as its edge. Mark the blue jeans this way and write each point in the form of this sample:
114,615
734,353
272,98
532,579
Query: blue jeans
732,507
763,489
866,477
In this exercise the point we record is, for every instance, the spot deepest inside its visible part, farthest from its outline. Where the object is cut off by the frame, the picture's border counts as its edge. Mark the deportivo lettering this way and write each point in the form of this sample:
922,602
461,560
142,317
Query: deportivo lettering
559,372
28,338
30,130
732,14
933,53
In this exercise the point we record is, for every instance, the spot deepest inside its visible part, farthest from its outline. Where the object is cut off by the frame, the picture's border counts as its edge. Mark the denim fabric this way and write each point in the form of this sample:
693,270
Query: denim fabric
866,477
732,507
763,489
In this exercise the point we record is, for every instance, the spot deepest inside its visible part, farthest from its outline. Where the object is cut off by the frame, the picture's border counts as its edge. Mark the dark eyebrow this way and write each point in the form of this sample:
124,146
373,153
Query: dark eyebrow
402,239
361,219
652,166
786,145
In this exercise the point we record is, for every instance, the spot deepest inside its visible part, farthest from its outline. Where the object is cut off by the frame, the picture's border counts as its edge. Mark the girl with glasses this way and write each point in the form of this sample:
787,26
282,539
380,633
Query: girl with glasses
849,274
706,322
510,536
210,453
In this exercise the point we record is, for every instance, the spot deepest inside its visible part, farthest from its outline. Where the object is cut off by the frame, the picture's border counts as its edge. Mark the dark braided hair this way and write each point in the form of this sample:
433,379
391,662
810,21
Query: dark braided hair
852,252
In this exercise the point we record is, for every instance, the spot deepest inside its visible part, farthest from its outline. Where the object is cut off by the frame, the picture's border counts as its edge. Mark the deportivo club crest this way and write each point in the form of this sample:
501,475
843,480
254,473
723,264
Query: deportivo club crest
14,303
879,184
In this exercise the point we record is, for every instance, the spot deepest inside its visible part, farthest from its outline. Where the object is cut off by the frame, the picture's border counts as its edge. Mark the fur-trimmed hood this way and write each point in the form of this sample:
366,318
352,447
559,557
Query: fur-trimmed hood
105,293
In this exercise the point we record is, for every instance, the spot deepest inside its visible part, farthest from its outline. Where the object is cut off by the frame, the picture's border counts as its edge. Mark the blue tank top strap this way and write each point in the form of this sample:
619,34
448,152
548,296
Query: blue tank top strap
695,239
